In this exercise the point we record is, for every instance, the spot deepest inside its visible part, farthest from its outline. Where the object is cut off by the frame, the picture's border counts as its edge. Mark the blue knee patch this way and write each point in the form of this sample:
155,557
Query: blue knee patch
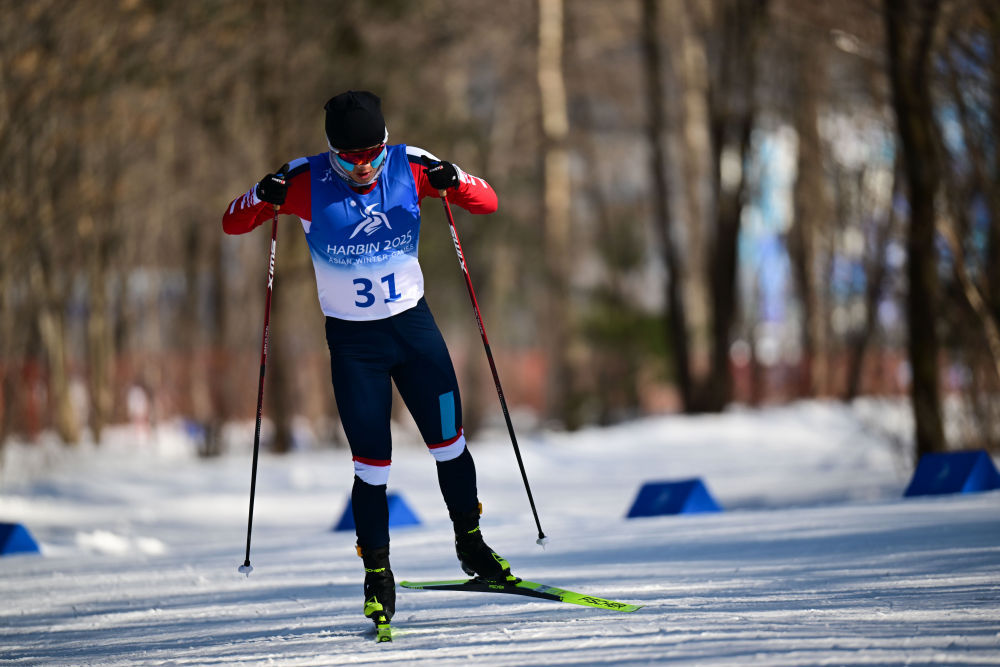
447,404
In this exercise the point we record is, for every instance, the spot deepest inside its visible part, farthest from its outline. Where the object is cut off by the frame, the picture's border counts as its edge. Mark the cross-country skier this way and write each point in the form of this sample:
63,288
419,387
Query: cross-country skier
359,203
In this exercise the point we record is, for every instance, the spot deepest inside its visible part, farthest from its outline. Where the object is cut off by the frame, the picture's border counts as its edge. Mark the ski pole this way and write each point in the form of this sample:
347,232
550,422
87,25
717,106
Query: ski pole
247,568
542,539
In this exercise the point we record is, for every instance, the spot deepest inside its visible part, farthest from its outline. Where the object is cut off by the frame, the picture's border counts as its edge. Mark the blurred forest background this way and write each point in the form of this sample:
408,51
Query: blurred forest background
702,202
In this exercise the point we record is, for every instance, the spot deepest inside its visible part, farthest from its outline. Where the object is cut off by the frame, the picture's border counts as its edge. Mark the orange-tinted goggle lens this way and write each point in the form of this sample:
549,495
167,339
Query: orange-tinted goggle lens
363,156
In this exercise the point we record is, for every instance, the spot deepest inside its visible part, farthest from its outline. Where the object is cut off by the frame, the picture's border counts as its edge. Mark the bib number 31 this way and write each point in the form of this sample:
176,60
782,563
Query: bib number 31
367,297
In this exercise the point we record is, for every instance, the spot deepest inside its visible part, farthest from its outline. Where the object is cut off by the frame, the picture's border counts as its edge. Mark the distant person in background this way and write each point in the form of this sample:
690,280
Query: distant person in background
137,404
359,203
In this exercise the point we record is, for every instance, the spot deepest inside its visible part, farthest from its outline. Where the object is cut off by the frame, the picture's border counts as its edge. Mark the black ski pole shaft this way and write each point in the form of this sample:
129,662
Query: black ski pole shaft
493,367
246,568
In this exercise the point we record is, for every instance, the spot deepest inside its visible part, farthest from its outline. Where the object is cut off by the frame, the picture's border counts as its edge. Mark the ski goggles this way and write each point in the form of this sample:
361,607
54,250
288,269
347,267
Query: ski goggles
349,159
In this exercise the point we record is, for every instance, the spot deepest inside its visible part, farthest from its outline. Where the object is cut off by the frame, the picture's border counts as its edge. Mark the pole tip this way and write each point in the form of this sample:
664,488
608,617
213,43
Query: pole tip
542,541
246,569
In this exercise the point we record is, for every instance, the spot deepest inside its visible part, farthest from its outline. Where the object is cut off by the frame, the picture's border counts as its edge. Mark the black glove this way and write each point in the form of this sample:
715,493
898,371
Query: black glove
442,175
273,188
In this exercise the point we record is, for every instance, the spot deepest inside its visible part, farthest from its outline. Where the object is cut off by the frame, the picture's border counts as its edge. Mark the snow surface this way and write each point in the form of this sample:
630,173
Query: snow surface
817,559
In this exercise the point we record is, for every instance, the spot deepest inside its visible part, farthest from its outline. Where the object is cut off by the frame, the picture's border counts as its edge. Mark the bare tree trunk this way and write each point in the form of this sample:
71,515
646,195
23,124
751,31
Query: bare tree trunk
662,221
732,108
875,274
7,382
909,34
616,362
972,295
98,234
280,388
219,388
696,198
811,221
718,122
984,180
190,335
556,187
99,338
52,332
993,244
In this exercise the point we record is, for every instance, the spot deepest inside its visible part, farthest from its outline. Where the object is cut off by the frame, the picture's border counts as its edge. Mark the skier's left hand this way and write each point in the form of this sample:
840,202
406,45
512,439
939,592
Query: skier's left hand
441,175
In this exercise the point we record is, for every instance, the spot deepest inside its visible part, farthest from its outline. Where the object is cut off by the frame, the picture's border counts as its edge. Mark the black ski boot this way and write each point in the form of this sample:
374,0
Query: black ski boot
380,587
476,557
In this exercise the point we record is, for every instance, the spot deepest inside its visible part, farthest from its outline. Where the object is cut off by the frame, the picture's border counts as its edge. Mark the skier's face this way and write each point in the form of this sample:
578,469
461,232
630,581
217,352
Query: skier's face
361,164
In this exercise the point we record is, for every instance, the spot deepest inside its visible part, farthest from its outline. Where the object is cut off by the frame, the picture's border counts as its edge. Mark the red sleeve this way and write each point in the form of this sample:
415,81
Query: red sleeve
473,193
246,212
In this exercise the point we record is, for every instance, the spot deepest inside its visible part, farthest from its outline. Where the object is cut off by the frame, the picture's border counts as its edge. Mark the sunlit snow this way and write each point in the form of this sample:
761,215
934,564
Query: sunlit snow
817,558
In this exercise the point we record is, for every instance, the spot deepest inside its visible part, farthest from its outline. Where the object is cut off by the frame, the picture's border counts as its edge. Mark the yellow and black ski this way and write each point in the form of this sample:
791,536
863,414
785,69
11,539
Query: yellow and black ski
522,587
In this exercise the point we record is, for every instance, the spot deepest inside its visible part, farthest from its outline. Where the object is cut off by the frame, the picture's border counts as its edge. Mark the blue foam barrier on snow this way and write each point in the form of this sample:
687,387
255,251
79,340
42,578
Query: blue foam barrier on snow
676,497
15,538
400,514
954,472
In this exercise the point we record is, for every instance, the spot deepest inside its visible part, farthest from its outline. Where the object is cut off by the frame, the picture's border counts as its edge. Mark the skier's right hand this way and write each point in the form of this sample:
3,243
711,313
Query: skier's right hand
273,188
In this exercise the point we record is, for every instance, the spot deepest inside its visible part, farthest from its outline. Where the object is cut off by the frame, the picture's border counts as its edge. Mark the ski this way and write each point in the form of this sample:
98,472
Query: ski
522,587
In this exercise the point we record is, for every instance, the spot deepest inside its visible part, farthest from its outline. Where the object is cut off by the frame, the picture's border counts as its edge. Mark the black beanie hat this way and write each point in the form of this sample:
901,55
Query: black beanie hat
354,120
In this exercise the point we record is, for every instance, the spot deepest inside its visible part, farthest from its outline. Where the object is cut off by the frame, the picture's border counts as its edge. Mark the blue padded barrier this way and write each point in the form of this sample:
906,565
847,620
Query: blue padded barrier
674,497
15,538
400,514
954,472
